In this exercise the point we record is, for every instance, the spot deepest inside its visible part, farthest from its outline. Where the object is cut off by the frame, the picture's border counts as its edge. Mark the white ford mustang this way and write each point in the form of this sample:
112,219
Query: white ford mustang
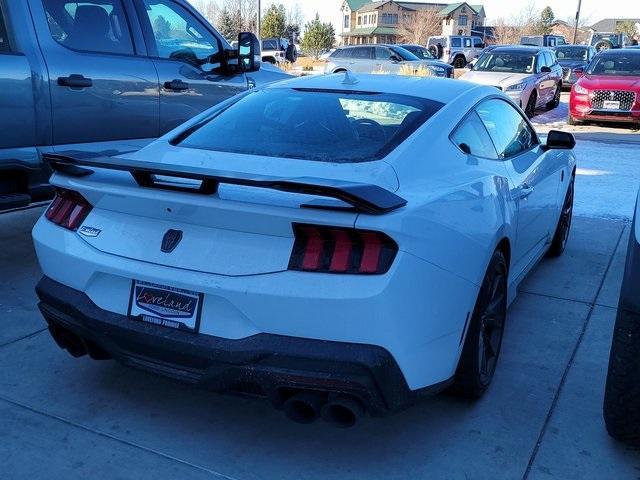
339,245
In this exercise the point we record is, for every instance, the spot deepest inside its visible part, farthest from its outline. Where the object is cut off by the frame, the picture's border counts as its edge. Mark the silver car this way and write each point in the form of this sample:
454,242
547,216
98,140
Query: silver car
531,76
380,58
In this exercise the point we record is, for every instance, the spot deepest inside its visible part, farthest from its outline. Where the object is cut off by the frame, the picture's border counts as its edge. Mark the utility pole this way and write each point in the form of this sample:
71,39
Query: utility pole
575,32
259,22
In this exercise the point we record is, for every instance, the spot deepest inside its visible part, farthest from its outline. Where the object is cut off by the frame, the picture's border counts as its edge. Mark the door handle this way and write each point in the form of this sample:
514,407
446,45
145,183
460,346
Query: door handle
75,81
526,190
176,85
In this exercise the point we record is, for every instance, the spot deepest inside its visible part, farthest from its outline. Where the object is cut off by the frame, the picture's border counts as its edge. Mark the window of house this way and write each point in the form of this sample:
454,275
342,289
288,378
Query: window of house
462,20
359,19
4,37
93,26
346,21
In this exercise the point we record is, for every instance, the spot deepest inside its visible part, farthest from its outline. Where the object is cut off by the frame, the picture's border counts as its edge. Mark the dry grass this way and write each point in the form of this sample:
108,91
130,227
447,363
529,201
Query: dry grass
408,71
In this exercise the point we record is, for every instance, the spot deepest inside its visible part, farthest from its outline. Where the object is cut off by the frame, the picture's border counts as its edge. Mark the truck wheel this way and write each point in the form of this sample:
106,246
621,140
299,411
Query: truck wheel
484,336
459,62
622,392
561,236
603,45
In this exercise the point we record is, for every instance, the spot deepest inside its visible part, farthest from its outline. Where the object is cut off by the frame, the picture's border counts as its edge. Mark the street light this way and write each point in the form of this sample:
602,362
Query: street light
259,22
575,32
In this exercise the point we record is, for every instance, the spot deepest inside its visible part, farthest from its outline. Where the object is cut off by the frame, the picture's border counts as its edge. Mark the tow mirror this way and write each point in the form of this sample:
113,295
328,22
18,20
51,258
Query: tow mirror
249,52
557,140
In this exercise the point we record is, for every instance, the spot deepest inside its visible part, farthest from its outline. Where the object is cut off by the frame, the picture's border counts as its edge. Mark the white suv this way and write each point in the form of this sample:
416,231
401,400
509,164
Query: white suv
457,50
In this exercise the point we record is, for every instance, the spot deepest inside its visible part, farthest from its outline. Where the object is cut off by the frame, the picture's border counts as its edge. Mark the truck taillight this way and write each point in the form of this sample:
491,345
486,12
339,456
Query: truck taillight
68,209
341,250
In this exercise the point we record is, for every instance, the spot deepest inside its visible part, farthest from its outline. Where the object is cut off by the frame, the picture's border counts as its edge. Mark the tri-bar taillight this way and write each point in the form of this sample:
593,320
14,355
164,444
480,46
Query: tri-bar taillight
68,209
341,250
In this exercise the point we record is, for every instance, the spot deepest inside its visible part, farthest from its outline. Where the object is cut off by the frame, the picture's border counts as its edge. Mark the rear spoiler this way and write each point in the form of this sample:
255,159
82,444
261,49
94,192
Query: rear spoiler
365,198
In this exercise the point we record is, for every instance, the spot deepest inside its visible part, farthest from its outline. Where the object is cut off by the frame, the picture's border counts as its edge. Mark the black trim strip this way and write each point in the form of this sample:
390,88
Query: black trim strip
366,198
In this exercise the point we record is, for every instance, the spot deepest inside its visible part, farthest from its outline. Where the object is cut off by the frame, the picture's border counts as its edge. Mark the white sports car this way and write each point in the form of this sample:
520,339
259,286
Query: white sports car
352,266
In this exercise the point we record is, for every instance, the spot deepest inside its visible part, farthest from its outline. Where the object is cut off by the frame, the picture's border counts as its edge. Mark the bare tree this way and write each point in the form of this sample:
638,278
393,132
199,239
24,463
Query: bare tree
419,26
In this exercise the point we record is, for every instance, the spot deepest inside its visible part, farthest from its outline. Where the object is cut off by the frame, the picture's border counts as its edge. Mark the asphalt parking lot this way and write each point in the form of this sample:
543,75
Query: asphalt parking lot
541,419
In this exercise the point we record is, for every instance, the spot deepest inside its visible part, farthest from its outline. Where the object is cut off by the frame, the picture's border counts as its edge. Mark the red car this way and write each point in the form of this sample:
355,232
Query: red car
608,90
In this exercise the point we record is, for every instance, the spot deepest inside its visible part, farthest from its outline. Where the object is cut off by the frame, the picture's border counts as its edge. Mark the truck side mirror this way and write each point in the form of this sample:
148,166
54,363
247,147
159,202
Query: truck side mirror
249,52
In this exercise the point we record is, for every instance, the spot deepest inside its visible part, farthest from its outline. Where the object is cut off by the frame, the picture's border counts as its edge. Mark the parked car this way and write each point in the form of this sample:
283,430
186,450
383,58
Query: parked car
551,41
76,75
456,50
486,49
608,40
572,58
622,392
278,50
530,76
608,90
425,55
231,254
380,58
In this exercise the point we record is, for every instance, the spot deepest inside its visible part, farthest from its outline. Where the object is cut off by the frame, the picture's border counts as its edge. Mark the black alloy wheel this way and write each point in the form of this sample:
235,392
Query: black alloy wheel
486,329
561,236
530,110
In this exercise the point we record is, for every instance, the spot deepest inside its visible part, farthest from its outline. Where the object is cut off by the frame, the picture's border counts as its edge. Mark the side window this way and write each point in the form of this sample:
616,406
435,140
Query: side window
91,26
542,61
4,37
456,42
467,43
178,34
510,132
551,59
477,43
472,136
383,53
362,53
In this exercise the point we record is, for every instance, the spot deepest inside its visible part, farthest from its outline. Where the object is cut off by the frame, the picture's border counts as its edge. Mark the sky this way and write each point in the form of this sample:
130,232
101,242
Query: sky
593,10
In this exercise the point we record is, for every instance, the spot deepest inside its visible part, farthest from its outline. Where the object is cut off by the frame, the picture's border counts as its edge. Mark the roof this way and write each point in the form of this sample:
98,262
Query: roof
444,8
610,24
357,4
439,89
371,31
454,6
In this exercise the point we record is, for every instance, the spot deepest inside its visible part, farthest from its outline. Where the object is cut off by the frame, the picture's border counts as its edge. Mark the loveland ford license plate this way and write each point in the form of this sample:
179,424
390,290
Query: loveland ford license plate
611,105
165,306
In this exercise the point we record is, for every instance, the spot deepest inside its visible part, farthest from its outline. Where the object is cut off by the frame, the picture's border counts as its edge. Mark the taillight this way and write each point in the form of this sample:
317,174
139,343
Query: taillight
68,209
341,250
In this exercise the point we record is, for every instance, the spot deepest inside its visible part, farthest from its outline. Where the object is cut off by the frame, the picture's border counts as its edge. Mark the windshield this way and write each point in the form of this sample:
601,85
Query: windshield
420,52
404,54
615,65
270,45
506,62
572,53
319,125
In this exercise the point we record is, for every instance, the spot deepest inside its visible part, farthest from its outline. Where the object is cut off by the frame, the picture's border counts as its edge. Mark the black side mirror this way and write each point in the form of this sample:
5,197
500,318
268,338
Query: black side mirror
545,69
395,58
249,52
557,140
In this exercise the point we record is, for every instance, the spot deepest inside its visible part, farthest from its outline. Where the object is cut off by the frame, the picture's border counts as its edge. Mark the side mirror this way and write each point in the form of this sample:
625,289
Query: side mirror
545,69
249,52
557,140
395,58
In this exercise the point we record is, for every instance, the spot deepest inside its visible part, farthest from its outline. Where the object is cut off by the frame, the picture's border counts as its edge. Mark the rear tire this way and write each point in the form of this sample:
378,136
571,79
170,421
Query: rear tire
603,45
530,109
622,392
459,62
556,98
561,236
484,336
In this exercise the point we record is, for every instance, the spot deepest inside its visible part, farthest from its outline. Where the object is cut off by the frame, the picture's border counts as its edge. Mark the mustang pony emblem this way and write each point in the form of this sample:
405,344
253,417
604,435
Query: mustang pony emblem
171,240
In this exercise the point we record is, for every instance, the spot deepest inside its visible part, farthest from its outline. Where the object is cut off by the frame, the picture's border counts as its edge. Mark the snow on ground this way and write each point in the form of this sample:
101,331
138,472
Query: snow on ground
607,180
553,118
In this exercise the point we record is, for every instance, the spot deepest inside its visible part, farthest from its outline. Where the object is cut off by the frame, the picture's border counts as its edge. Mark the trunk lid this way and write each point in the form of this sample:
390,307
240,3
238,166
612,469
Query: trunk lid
238,231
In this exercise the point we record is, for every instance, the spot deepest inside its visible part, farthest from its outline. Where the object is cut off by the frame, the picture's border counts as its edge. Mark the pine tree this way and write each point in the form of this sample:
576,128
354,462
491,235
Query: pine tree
317,37
546,21
274,22
227,26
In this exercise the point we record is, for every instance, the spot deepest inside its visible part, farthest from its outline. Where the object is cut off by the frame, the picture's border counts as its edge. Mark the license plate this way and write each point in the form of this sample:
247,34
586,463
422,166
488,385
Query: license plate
166,306
611,105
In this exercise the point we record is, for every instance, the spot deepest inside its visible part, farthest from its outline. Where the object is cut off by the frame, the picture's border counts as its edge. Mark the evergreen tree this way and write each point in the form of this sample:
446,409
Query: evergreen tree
162,27
227,25
318,36
274,22
547,18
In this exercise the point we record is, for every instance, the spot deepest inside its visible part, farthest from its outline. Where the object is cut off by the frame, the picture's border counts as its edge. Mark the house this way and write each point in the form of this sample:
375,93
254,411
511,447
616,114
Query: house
612,24
366,21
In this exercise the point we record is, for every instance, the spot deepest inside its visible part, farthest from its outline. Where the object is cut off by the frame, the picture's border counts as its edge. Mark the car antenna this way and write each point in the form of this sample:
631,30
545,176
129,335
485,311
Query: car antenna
349,78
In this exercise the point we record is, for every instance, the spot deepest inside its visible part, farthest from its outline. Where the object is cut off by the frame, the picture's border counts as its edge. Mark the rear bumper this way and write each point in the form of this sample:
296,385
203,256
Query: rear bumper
265,364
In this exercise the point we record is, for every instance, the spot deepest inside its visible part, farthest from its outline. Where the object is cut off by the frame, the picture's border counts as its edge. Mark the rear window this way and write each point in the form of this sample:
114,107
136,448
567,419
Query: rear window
324,126
456,42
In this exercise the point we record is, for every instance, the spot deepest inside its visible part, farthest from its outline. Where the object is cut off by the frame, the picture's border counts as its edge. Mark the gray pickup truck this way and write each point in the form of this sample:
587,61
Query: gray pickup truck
105,77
